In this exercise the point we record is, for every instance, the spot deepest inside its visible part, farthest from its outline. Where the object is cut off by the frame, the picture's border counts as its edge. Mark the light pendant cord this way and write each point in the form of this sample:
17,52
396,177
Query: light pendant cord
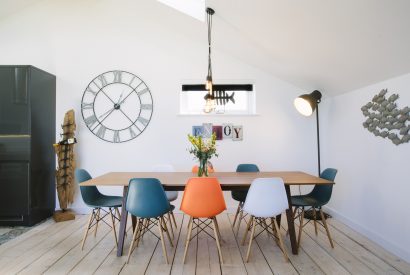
209,22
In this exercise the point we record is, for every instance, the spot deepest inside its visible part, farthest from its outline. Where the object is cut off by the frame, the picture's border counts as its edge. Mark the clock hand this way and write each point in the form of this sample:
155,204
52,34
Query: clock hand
109,111
118,102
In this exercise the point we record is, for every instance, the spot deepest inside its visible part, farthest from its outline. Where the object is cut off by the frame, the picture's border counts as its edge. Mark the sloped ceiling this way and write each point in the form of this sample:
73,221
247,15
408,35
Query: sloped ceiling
331,45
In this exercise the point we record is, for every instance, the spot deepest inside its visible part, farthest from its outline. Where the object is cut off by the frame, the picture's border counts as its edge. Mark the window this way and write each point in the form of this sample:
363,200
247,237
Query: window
232,99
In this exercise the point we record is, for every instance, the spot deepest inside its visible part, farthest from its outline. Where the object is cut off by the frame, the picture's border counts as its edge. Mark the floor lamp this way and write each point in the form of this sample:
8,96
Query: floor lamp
306,105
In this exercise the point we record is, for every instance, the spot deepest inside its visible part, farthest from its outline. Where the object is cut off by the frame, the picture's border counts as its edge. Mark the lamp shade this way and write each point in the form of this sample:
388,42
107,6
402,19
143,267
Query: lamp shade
306,104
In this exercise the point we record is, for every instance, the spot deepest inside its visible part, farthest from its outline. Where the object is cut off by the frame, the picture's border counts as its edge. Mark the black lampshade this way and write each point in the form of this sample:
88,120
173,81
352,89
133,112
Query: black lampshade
306,104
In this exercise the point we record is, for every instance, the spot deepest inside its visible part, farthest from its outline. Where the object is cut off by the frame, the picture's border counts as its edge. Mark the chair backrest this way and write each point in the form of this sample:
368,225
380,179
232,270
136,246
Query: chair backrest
146,198
247,167
163,168
266,198
323,192
90,194
203,198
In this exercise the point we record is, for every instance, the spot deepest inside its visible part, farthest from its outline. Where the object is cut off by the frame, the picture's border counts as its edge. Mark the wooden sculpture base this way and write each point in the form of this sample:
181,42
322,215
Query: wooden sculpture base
62,216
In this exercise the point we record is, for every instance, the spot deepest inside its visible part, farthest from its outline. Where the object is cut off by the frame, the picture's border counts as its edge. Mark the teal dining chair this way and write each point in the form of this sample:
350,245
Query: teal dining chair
240,195
315,200
98,202
171,195
147,201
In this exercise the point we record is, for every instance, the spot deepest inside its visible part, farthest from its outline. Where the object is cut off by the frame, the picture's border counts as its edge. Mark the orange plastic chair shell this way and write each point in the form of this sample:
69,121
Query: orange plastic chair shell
203,198
196,168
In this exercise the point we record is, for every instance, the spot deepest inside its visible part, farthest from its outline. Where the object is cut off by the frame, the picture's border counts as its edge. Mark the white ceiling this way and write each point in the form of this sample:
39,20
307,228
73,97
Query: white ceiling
331,45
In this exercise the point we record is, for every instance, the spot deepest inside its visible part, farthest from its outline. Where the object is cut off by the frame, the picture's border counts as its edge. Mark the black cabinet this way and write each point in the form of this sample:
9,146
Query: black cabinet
27,132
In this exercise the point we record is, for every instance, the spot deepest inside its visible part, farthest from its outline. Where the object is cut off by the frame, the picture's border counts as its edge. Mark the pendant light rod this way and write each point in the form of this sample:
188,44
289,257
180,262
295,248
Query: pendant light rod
209,12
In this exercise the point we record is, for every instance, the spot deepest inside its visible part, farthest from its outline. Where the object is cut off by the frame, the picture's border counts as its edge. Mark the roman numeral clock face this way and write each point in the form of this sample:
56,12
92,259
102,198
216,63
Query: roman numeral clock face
117,106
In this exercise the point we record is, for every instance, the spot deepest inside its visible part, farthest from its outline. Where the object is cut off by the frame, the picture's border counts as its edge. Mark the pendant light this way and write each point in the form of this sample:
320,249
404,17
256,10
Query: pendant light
209,98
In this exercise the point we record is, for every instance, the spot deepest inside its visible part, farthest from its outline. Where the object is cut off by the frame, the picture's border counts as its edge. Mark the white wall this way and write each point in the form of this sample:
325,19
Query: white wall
373,184
77,40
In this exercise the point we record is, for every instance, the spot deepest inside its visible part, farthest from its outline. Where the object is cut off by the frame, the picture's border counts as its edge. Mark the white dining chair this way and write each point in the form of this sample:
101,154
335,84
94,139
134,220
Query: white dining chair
171,195
265,200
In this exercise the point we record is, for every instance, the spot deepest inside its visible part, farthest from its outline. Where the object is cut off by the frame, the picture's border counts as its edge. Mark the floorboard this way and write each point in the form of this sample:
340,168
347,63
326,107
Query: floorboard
55,248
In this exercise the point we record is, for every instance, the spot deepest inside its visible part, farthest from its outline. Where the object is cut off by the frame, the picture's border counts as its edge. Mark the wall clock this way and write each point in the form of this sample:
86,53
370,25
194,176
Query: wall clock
117,106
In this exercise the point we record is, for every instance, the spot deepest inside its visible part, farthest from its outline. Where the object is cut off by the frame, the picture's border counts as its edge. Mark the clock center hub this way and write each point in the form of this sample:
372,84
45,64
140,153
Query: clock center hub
117,106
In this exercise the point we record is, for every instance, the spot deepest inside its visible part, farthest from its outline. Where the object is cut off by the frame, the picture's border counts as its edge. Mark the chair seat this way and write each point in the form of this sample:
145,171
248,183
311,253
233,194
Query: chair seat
239,195
171,195
305,200
106,201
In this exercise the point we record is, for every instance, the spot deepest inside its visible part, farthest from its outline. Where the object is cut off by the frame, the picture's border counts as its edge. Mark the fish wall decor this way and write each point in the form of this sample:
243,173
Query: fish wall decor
384,118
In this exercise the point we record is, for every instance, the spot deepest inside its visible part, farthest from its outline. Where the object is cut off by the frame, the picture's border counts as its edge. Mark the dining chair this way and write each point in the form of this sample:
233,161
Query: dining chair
318,197
171,195
97,201
265,200
147,201
203,201
240,195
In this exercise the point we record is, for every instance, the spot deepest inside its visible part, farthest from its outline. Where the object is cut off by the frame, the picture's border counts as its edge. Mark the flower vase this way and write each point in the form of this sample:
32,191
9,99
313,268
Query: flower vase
203,168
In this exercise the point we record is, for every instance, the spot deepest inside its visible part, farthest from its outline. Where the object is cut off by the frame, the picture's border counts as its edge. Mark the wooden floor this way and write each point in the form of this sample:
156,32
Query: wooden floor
54,248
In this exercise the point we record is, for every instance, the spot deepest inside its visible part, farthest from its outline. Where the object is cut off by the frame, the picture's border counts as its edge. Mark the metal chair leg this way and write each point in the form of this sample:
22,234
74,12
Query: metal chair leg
314,219
301,226
170,223
167,231
173,219
97,221
239,222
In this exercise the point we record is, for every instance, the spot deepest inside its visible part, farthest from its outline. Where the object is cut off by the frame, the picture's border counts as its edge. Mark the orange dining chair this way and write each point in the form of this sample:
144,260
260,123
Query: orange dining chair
203,201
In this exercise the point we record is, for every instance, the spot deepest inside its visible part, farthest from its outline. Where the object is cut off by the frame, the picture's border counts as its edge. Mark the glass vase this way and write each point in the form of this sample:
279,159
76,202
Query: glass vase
203,168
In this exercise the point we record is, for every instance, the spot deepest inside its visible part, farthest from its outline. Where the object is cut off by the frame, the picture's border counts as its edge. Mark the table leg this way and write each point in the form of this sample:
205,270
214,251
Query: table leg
123,223
291,223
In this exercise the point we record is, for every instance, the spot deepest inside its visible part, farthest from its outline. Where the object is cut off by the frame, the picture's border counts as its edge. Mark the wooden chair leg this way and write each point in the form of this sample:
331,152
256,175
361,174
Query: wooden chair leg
314,219
87,229
173,219
236,215
301,225
239,222
327,229
141,230
170,224
248,227
218,244
217,229
113,227
280,240
167,231
164,249
188,238
97,220
250,240
134,237
266,227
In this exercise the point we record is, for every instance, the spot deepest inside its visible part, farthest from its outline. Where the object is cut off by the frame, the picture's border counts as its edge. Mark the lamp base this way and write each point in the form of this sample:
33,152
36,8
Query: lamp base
309,215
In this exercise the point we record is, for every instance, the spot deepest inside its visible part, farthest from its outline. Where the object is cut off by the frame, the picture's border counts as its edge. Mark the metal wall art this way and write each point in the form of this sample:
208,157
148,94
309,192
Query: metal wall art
386,120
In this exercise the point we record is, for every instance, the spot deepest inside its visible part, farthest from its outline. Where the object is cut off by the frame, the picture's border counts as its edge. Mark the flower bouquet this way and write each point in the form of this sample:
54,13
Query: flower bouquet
203,149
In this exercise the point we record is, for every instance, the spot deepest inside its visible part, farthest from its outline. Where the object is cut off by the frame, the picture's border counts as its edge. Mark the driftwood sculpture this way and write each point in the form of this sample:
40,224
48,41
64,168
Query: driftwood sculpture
386,120
66,166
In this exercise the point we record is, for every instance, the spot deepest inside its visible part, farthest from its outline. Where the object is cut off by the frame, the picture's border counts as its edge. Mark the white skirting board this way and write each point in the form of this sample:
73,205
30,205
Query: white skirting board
375,237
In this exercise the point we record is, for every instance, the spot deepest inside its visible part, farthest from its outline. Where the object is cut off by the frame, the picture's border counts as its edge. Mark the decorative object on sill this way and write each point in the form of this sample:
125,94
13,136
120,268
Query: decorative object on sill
203,150
117,106
306,104
385,119
66,166
209,98
224,131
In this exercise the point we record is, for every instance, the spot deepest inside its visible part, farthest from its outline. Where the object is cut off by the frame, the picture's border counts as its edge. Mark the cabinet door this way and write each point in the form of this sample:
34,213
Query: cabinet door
14,102
14,178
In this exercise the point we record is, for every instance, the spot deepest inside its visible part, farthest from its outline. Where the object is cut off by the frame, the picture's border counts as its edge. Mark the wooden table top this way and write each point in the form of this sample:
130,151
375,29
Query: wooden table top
228,180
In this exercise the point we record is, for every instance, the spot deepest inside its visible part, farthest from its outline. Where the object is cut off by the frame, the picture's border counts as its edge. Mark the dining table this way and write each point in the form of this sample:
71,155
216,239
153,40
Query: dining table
176,181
